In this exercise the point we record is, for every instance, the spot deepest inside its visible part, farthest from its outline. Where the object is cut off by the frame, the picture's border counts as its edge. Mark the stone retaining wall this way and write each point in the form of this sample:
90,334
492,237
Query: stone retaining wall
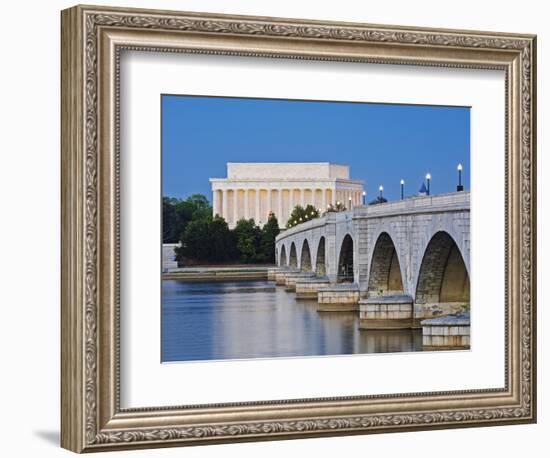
338,298
450,332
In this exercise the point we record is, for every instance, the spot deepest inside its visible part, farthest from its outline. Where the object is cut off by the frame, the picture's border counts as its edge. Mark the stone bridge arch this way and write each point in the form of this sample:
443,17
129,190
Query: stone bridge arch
443,276
282,257
320,257
293,257
305,257
385,270
345,260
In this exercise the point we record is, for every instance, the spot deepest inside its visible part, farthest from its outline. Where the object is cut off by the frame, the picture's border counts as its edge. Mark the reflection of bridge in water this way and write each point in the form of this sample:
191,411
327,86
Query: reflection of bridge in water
398,262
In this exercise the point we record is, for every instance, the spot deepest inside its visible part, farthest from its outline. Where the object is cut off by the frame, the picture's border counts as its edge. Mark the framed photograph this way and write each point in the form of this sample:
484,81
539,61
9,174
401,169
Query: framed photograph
278,228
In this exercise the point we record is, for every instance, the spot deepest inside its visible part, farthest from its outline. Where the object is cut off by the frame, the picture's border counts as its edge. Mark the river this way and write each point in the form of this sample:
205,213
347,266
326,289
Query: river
256,319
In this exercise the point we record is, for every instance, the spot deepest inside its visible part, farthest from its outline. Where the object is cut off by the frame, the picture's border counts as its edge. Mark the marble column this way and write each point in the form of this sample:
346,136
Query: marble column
303,197
269,202
246,208
215,202
324,203
257,205
223,212
235,206
280,206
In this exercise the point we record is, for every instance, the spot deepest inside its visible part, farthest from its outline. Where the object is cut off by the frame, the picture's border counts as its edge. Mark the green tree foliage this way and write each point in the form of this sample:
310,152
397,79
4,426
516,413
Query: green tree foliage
337,207
194,242
177,213
378,200
248,236
169,226
267,243
301,215
206,239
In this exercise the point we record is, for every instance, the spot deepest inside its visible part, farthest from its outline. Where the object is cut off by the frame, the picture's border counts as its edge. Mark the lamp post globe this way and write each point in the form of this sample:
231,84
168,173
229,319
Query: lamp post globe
428,179
459,187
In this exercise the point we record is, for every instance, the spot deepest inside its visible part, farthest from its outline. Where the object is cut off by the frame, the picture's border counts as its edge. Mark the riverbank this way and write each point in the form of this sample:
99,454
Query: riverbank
219,273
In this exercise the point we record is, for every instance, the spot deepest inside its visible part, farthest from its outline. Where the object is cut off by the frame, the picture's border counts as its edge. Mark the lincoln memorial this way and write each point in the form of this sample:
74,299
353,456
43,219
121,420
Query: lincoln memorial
253,190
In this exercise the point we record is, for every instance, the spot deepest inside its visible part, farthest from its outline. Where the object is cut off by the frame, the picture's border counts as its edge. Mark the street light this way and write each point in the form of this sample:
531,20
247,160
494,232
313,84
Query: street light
364,197
428,179
349,200
381,189
459,187
402,188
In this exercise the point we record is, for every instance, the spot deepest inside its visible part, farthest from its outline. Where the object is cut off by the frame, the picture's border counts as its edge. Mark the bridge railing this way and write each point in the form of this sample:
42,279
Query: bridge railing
451,201
417,204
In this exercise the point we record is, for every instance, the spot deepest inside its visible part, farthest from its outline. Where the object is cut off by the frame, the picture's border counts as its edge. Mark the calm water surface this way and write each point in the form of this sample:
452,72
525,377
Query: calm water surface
255,319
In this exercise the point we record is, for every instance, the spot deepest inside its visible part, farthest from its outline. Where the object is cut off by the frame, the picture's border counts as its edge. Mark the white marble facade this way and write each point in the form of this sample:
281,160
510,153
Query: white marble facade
253,190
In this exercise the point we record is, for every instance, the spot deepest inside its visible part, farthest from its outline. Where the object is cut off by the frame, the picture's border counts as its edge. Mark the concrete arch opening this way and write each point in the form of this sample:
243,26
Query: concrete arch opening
292,258
282,257
345,261
320,266
443,277
385,271
305,257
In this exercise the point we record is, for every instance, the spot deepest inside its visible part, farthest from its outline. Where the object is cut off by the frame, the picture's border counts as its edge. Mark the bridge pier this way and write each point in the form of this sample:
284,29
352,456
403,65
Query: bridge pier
446,333
338,298
386,312
307,288
272,272
440,309
280,277
291,279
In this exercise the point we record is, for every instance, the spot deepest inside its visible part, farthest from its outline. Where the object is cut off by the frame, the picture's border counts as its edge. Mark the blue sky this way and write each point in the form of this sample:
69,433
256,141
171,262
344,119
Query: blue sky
382,143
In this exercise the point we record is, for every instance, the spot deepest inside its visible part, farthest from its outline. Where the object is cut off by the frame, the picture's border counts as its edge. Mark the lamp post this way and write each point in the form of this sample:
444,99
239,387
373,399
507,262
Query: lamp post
364,197
402,188
381,189
428,179
459,187
349,203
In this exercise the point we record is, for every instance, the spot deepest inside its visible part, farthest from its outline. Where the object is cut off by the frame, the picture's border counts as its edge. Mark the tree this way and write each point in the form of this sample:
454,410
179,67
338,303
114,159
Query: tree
378,200
337,207
267,244
222,241
169,222
177,213
301,215
206,240
247,236
200,206
195,242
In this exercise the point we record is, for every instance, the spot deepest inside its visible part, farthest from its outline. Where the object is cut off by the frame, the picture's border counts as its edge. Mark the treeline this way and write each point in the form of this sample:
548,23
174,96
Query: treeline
207,239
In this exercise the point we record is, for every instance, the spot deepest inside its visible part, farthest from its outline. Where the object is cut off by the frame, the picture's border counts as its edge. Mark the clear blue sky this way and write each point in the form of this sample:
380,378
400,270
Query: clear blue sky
382,143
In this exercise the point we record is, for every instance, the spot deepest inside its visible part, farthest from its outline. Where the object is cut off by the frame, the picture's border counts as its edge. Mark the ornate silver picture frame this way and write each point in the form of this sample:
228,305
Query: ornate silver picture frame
93,39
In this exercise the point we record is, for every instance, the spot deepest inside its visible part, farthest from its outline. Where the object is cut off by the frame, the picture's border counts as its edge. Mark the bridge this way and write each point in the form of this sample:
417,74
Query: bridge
409,257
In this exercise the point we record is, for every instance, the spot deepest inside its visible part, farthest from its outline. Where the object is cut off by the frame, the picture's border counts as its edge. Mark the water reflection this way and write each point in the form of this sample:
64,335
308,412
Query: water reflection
254,319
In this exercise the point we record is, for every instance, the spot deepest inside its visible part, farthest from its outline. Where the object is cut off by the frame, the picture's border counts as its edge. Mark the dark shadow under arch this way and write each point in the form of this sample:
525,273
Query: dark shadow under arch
443,276
282,257
320,266
385,269
305,257
345,260
292,258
